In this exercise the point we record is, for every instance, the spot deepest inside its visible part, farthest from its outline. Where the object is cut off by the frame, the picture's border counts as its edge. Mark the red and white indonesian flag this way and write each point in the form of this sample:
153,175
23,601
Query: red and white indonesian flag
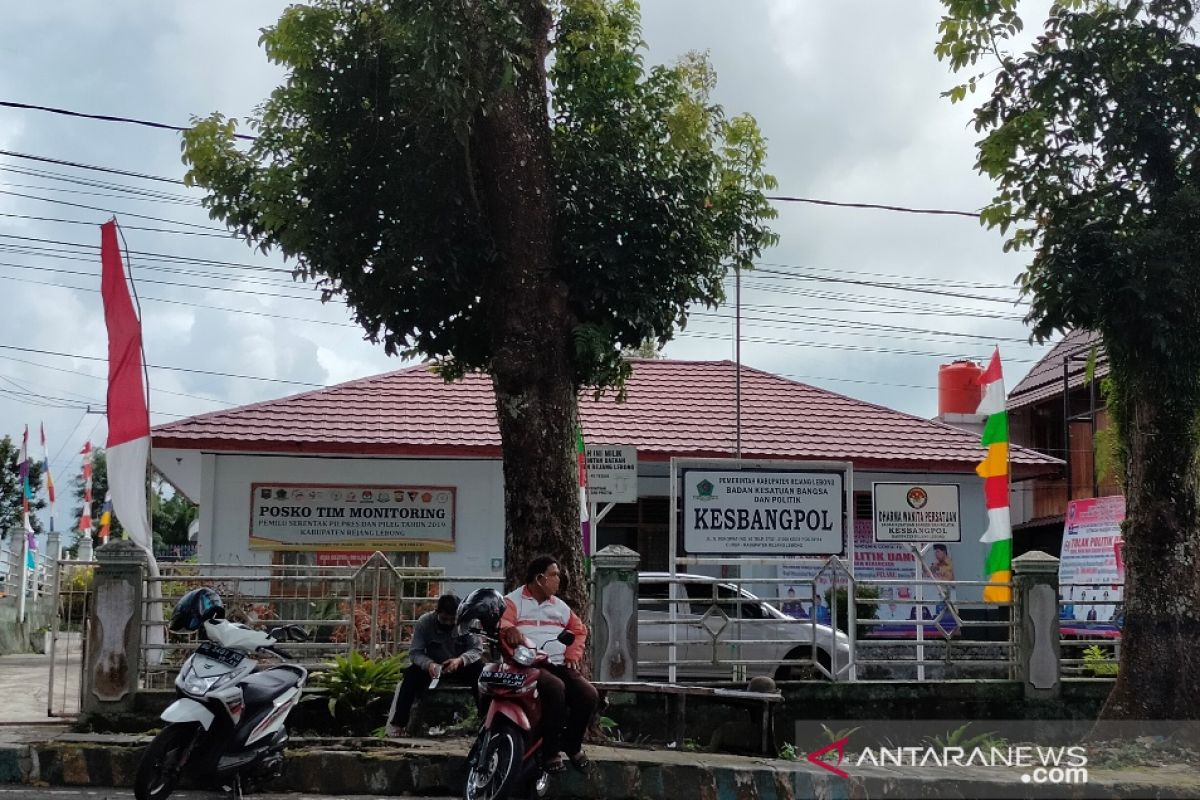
128,450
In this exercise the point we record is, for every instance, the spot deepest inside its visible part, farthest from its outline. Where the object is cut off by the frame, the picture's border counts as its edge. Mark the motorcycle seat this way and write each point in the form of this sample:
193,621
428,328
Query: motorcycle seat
263,687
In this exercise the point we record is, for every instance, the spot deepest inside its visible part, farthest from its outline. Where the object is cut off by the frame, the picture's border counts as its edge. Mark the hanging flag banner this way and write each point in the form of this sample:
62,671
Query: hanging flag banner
294,516
994,471
128,452
85,514
1091,574
47,476
585,532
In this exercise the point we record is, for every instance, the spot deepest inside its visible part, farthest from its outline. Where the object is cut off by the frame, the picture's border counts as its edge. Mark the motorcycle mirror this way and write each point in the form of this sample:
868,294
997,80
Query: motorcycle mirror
278,634
297,633
567,638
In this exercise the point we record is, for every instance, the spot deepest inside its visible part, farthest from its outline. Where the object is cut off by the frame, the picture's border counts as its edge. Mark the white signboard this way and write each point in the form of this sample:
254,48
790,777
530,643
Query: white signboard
612,474
750,512
911,512
292,516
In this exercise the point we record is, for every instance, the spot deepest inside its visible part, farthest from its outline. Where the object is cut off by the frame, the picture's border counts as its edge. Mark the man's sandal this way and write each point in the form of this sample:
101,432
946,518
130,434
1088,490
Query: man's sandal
580,761
555,764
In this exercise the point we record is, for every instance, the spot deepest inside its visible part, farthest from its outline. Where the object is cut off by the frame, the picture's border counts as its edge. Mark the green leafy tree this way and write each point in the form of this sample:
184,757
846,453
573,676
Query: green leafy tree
11,508
1092,136
172,515
488,212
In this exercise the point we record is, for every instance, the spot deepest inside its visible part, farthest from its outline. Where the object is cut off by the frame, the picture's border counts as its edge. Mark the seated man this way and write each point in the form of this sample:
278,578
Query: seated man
437,652
535,611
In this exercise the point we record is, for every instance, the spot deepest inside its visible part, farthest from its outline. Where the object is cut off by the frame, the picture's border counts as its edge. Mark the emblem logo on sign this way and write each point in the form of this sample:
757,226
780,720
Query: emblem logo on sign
704,490
917,497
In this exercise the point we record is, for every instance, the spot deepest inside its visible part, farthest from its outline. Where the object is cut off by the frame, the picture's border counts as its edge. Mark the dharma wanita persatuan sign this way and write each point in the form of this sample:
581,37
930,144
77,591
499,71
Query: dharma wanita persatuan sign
917,513
291,516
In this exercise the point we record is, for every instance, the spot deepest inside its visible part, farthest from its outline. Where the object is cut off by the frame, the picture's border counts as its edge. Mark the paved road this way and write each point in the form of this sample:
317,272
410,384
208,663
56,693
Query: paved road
55,793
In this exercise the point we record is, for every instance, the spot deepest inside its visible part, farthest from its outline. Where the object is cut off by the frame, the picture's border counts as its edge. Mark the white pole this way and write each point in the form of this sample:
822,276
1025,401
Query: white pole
24,578
919,567
672,587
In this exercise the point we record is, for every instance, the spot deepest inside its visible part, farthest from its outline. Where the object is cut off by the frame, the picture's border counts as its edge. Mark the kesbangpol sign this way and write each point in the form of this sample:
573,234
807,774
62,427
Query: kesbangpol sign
764,513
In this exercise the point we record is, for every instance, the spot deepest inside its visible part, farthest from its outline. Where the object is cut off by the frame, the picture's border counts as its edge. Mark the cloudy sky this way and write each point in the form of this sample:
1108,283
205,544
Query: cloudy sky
845,90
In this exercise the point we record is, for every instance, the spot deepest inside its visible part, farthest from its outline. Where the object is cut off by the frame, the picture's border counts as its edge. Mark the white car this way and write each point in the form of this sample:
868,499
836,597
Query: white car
747,629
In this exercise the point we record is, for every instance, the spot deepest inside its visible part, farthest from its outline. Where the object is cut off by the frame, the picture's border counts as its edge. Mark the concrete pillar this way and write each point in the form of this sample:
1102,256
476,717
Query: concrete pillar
614,616
1035,598
110,678
84,553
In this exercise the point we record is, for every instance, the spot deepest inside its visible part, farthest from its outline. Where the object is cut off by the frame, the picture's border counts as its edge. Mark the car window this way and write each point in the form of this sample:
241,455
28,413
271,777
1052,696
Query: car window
701,595
657,594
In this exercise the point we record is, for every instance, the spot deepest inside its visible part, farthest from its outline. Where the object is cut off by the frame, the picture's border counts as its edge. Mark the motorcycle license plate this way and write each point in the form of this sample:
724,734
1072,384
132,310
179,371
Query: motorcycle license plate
222,655
509,679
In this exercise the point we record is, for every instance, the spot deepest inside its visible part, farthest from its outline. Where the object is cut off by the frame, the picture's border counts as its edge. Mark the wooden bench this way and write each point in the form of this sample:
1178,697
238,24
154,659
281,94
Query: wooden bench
761,703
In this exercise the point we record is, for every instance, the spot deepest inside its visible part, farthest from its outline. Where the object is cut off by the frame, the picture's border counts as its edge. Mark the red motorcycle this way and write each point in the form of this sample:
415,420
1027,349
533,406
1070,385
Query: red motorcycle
506,759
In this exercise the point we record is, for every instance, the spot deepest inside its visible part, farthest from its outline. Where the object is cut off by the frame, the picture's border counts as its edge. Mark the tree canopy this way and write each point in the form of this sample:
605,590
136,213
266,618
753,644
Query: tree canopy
499,186
364,172
1092,135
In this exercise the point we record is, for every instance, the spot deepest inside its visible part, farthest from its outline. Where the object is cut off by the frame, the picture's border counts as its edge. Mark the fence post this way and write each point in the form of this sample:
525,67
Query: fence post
614,614
114,646
1035,603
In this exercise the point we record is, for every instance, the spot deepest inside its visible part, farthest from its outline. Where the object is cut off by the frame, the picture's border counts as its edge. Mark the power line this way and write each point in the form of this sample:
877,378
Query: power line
89,223
105,117
163,366
110,211
873,206
154,389
93,167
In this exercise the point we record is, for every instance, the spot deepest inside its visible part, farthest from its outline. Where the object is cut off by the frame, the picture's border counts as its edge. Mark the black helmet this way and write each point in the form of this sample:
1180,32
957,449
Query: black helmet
485,605
196,608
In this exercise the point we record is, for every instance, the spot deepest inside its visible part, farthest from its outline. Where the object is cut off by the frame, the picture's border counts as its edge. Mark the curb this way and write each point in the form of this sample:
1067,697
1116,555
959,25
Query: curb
438,768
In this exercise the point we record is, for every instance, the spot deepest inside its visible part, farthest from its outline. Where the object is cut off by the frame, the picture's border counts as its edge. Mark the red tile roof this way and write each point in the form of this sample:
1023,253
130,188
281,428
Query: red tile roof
673,408
1045,380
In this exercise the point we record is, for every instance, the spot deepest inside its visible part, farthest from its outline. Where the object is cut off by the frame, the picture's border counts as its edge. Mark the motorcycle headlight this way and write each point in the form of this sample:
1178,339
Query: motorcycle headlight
524,656
191,683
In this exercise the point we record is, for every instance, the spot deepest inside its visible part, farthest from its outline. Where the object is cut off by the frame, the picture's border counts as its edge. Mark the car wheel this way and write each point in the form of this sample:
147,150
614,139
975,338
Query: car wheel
803,672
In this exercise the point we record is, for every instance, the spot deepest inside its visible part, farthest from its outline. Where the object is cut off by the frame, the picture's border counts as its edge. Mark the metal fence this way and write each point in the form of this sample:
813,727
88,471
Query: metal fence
694,627
67,643
1089,623
370,608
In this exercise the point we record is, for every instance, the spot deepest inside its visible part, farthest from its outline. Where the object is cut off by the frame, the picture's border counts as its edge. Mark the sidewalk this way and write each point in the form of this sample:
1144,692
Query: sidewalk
37,750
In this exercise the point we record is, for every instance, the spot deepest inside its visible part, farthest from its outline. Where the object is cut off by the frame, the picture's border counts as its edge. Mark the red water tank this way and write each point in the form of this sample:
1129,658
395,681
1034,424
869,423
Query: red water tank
958,388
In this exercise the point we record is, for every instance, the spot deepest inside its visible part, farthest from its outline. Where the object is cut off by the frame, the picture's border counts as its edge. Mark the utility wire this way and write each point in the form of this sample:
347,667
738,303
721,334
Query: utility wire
873,206
105,117
163,366
93,167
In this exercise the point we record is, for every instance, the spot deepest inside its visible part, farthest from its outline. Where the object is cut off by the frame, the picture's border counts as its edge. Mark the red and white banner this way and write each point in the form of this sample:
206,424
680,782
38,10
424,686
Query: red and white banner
128,451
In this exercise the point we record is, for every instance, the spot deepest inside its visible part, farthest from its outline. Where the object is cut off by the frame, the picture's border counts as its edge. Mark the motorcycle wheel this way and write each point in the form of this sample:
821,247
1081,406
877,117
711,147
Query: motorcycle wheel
162,764
496,766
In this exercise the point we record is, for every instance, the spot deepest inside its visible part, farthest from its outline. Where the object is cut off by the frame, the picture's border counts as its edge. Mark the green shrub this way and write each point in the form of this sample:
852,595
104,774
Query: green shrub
353,681
1097,660
861,610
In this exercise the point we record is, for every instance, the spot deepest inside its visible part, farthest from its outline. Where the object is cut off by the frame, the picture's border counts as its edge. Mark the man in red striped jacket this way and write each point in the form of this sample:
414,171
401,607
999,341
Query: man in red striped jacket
535,612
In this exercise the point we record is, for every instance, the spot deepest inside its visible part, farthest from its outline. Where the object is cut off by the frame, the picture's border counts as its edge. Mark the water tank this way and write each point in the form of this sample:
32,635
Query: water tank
958,388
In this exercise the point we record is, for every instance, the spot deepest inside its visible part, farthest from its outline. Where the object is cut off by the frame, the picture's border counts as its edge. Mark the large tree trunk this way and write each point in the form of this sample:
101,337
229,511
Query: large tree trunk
530,323
1157,411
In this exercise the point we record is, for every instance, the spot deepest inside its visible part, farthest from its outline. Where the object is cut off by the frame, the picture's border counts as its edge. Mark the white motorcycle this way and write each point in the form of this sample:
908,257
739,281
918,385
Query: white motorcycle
228,722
